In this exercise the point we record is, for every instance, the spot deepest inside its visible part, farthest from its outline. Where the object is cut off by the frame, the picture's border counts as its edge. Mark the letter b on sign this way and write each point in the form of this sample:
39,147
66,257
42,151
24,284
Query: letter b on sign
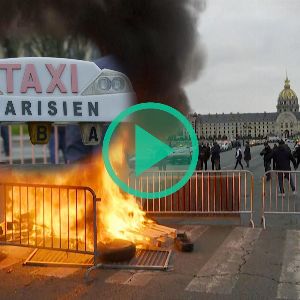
39,133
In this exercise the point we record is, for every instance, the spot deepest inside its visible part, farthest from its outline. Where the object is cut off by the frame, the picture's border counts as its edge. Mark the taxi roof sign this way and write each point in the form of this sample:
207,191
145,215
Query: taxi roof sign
59,90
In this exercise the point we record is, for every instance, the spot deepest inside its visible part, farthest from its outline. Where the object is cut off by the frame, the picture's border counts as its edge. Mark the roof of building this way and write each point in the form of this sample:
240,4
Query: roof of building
241,118
234,118
287,93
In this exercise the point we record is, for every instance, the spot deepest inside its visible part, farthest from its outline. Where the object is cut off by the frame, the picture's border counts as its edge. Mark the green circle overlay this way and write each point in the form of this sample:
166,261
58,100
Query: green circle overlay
123,115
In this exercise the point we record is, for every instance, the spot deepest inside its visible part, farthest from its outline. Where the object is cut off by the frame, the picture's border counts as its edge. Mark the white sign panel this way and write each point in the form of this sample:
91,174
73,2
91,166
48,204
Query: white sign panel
61,91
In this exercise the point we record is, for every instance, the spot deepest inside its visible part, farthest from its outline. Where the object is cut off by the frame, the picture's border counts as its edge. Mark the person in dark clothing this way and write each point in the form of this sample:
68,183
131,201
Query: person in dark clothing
207,156
274,163
283,158
203,154
215,156
296,154
75,150
287,147
247,154
4,135
198,167
267,154
61,139
162,165
238,156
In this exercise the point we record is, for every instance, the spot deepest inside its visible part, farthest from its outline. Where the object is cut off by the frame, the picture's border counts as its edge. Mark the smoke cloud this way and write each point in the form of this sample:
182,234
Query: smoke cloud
155,40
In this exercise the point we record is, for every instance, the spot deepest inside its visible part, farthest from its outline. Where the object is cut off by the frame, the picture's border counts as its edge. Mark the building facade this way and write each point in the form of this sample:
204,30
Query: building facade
284,123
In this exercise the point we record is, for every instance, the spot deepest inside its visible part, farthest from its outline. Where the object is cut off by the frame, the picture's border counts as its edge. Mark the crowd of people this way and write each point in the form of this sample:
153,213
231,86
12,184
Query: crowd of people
213,153
280,158
206,152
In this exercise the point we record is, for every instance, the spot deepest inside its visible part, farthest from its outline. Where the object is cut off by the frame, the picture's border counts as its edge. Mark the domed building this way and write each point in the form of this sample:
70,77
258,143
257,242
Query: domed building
284,123
288,112
287,100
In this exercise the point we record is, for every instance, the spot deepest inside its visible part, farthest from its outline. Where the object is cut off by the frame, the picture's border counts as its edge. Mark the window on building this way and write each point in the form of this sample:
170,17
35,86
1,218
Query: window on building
286,125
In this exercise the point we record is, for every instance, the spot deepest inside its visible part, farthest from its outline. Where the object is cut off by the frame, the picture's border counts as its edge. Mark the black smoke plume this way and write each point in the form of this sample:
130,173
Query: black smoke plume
155,40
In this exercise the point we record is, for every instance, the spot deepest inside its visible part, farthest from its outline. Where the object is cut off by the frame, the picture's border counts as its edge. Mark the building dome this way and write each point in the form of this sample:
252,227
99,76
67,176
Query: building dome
287,93
287,99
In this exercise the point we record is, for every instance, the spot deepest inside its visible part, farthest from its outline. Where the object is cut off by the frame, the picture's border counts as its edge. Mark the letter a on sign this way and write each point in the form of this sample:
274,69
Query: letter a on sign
91,133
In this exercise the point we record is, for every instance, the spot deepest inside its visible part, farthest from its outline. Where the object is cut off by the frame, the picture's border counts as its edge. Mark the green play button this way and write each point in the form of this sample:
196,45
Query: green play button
149,150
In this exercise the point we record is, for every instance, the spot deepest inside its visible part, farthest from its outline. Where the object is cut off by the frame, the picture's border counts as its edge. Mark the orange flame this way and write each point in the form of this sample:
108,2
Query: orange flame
61,216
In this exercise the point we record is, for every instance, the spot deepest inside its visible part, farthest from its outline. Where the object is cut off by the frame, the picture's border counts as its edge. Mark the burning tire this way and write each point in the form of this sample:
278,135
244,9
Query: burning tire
116,251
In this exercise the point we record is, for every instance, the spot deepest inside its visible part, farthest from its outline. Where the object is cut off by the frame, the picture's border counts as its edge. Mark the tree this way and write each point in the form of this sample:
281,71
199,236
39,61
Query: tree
10,47
70,47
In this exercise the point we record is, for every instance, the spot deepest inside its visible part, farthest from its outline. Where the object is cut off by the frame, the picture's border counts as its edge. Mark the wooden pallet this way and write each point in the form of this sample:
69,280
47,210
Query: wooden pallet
158,235
155,234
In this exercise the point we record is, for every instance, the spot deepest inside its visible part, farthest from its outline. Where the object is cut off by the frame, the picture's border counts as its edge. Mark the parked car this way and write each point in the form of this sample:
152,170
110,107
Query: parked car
289,141
181,155
273,139
225,146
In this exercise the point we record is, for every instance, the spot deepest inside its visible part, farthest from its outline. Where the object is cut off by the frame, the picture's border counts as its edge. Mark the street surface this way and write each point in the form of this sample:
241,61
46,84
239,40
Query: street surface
228,262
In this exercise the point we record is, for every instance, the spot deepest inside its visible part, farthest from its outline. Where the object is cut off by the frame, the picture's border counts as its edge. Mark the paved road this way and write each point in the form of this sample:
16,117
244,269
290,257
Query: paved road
257,169
227,263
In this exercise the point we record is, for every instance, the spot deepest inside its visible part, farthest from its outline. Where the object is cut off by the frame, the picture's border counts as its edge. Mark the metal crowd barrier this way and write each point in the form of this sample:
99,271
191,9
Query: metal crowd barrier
206,193
21,151
49,217
279,194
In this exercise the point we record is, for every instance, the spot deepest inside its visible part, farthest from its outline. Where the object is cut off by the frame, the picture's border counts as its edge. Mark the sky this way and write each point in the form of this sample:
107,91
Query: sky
249,45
